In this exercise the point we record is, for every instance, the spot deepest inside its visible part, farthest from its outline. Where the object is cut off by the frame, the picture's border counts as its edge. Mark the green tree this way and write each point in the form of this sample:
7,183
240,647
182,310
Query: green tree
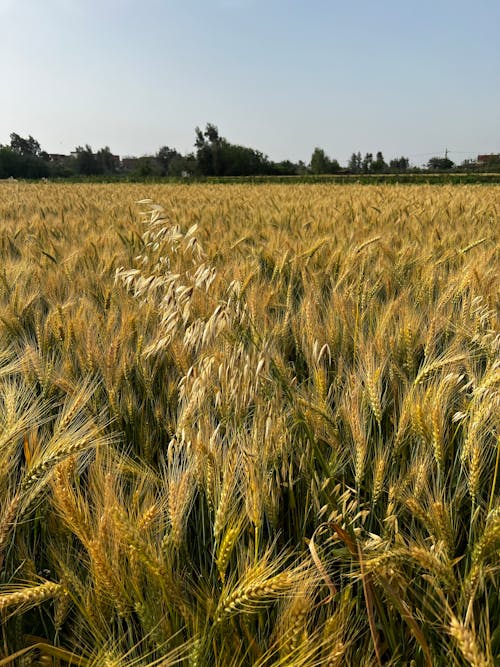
379,164
399,164
322,164
355,163
242,161
23,159
284,168
25,147
208,153
440,164
366,165
147,166
165,156
11,163
183,165
86,163
216,156
105,161
302,168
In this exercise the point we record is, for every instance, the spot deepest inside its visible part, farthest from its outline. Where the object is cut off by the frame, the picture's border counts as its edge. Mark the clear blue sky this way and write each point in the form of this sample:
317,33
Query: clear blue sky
403,76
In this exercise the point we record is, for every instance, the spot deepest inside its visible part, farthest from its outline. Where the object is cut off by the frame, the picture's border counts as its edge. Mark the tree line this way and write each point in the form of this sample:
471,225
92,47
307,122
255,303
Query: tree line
214,155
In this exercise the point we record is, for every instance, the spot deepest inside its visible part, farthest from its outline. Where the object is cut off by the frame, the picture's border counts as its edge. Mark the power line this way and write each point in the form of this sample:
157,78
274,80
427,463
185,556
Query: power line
447,150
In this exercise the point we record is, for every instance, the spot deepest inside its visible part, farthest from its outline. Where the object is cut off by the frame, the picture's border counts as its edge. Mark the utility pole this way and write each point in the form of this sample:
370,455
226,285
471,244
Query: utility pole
445,153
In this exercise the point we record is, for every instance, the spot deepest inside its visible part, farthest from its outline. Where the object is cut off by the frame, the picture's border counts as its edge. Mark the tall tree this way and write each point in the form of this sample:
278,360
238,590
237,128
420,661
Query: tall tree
25,147
206,150
320,162
379,164
23,158
106,162
86,162
355,162
165,156
366,165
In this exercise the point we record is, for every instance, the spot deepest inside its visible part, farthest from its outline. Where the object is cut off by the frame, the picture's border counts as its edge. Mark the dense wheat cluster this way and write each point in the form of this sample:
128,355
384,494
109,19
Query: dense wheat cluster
249,425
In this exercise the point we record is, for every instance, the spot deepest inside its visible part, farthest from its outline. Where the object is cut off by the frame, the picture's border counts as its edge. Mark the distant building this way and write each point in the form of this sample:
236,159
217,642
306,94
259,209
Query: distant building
59,159
487,159
129,163
116,161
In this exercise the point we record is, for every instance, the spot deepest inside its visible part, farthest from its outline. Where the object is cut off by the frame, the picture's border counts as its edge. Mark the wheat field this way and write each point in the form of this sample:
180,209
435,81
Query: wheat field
249,425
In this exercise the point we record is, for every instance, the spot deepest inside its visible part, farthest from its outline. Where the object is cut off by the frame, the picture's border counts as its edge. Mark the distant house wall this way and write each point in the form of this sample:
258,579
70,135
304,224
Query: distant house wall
116,161
129,163
485,159
58,158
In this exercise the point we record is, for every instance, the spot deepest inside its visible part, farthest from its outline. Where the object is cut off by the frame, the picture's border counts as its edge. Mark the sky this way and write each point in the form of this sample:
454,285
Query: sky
407,77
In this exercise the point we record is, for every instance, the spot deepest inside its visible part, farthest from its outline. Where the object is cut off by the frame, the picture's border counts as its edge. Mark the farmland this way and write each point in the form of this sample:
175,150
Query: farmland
249,425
